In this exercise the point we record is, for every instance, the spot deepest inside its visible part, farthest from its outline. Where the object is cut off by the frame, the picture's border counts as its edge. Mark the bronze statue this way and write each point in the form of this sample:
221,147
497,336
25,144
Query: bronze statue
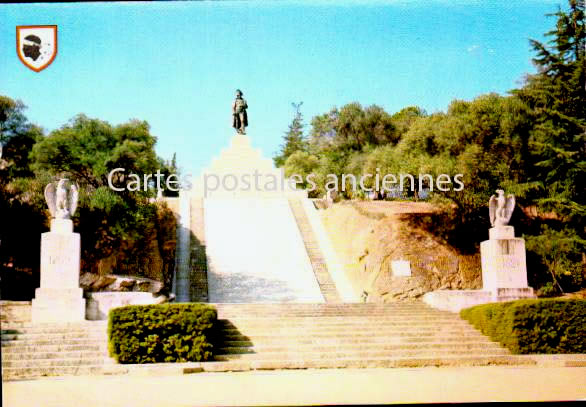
239,116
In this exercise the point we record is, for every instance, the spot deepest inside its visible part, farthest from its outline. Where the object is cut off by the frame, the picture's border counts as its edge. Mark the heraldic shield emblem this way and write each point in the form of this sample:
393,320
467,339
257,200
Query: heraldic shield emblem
36,45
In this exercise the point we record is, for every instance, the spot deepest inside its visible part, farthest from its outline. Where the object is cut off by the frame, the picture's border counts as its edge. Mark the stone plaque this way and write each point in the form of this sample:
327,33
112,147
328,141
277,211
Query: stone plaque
401,268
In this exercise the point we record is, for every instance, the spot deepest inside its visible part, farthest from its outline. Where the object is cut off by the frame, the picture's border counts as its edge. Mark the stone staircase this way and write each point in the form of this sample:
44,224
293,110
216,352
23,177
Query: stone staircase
268,336
326,284
30,351
294,336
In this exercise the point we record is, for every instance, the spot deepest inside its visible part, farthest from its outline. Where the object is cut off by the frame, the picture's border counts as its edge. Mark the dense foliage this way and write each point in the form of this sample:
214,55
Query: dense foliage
121,232
533,326
531,143
161,333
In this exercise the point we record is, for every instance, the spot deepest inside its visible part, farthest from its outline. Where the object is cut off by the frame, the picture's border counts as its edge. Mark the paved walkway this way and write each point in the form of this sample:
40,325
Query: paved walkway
299,387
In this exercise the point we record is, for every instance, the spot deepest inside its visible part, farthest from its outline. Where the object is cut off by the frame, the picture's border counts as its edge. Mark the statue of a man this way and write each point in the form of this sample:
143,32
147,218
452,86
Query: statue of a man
239,116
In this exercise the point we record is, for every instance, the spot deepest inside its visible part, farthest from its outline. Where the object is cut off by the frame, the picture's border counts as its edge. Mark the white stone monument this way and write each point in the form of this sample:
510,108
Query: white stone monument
504,269
59,298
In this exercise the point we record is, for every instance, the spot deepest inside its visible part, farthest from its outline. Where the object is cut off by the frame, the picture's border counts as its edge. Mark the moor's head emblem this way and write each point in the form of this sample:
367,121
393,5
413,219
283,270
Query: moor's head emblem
36,45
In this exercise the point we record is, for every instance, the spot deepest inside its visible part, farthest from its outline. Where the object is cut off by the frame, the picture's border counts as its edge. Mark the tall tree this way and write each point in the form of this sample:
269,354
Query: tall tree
294,140
17,136
21,209
557,94
87,150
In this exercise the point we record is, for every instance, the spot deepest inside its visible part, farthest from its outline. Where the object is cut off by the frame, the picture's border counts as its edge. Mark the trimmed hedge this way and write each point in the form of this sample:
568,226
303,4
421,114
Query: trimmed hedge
161,333
533,326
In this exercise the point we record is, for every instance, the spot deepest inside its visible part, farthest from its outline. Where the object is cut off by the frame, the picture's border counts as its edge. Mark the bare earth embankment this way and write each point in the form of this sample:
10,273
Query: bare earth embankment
367,236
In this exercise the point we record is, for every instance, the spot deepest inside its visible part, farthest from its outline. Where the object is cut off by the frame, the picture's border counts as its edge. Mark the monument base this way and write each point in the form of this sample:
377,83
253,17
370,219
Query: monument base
456,300
503,261
58,305
504,275
59,299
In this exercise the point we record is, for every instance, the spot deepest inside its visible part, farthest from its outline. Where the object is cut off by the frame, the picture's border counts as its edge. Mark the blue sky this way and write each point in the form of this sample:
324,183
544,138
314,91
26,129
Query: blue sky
177,65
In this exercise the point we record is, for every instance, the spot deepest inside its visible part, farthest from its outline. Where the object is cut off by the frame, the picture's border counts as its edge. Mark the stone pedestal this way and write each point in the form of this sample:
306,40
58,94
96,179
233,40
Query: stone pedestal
241,171
503,264
59,298
504,274
504,268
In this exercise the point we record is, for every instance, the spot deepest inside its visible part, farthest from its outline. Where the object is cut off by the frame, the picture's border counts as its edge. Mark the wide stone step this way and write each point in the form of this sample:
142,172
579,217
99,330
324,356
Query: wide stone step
317,313
239,341
88,325
60,354
91,346
55,362
355,347
43,340
416,321
310,315
361,321
55,336
317,309
308,331
10,329
332,314
343,307
396,362
244,365
399,335
364,354
305,333
313,306
33,372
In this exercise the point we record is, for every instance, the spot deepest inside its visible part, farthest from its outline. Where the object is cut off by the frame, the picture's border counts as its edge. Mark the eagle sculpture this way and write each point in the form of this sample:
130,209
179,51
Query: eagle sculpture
500,208
62,198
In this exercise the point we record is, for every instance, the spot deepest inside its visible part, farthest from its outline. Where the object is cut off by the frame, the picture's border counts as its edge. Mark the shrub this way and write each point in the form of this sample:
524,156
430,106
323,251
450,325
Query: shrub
533,326
161,333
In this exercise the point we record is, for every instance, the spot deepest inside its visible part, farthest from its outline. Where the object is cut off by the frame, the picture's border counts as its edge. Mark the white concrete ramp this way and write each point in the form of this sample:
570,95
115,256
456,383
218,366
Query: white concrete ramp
255,252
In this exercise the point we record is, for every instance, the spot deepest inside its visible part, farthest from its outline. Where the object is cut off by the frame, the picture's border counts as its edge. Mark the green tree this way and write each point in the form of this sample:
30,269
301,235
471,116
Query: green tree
404,118
556,95
294,140
352,128
21,207
120,230
87,150
301,163
169,168
17,136
321,136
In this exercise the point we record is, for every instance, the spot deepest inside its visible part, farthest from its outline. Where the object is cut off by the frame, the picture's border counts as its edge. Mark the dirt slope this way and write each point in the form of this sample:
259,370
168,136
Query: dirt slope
368,235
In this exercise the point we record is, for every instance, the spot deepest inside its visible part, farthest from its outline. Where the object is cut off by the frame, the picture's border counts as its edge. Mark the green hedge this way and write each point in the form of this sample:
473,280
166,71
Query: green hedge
161,333
533,326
